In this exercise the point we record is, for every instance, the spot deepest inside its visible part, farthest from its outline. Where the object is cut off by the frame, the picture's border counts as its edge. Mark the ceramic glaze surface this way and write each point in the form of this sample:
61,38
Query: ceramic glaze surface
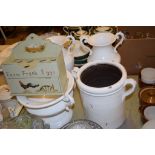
102,46
106,54
105,105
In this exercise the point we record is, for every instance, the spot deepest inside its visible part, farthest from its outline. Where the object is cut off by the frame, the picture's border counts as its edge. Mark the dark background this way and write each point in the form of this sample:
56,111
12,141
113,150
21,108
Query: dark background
137,50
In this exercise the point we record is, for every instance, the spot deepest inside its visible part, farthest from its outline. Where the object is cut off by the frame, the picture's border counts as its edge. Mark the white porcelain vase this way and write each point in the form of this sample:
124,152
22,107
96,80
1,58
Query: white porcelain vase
102,46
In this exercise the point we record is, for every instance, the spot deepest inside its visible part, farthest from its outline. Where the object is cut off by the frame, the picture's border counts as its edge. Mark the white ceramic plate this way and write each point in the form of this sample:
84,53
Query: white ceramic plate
148,75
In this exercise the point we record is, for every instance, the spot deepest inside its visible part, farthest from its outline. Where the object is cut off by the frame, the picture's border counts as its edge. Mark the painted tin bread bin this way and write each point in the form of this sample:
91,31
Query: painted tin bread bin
36,67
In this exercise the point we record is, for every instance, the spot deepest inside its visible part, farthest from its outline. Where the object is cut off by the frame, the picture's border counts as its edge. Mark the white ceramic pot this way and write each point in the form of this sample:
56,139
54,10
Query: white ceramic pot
105,105
68,56
102,46
55,112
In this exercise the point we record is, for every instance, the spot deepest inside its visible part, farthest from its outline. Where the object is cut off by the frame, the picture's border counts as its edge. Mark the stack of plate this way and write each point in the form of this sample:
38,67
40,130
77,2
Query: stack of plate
79,61
148,75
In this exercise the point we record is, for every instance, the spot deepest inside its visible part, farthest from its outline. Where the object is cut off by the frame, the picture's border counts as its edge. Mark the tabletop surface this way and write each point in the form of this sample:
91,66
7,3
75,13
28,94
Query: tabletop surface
133,120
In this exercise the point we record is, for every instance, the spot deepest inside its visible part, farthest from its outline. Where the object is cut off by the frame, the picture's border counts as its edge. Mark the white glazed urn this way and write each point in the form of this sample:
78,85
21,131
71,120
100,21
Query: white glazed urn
104,105
102,46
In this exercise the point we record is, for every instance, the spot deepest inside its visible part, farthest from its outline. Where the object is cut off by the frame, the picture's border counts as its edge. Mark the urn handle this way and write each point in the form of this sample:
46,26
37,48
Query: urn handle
70,37
119,35
69,100
84,39
75,71
131,82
